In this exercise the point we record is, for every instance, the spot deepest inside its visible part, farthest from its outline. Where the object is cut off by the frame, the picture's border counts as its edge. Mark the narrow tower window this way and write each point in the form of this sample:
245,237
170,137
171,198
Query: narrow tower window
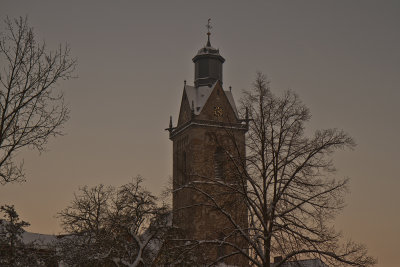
184,167
219,160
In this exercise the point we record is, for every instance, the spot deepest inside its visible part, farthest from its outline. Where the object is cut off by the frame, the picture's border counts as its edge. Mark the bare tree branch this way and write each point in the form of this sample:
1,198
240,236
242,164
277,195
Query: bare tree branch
31,109
287,182
121,226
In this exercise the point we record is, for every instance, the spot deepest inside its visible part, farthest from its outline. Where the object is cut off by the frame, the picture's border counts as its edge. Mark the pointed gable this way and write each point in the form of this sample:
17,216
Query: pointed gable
200,95
219,98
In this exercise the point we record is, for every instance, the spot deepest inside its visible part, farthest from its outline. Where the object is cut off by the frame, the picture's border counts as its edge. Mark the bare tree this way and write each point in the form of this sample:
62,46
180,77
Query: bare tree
84,221
31,110
287,182
120,226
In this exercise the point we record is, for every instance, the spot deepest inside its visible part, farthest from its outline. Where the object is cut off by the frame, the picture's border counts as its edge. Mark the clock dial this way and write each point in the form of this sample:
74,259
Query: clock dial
218,111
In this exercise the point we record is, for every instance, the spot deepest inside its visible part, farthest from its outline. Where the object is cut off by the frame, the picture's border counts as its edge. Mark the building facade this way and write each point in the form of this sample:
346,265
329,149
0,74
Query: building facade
208,151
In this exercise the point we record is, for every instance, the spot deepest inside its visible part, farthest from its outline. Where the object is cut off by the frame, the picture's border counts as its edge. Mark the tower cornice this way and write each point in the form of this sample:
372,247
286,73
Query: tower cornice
209,124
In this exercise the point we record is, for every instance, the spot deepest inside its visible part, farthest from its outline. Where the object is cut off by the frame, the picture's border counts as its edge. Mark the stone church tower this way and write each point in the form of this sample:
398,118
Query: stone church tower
208,149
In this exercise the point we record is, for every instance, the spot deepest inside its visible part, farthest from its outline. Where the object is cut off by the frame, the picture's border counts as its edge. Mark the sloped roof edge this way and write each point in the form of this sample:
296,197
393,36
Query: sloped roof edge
199,96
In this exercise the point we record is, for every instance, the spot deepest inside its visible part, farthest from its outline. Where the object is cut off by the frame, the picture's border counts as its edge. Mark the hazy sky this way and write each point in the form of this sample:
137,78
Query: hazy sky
341,57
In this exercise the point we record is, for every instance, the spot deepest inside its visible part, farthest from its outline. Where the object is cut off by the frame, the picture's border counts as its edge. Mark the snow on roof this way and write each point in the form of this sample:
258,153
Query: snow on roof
40,240
199,96
229,95
208,50
303,263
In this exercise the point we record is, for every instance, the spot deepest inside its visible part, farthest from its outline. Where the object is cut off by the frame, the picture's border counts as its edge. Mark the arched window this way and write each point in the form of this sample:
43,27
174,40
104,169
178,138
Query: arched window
219,162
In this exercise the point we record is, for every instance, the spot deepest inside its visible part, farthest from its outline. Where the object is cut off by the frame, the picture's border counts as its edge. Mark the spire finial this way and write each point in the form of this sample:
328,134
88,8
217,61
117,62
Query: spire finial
170,129
209,27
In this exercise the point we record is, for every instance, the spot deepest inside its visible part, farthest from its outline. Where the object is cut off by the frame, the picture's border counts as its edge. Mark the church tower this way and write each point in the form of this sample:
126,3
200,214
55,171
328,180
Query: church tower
208,151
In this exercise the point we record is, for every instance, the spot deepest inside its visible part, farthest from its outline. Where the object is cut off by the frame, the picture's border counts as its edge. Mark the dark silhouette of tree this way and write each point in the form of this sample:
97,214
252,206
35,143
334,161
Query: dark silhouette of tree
31,109
287,182
121,226
11,230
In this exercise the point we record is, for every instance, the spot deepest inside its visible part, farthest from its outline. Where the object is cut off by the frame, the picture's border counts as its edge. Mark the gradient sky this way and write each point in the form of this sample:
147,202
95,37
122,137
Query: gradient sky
341,57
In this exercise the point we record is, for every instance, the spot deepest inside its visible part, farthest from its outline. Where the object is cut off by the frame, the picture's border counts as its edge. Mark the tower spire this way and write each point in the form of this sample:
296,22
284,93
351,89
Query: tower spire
209,27
208,63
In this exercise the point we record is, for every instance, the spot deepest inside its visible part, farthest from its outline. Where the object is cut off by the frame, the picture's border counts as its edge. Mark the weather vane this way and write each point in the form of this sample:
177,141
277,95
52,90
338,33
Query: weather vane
209,27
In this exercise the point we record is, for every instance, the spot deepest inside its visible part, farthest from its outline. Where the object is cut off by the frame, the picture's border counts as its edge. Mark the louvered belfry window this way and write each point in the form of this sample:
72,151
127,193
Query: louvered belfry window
184,164
219,160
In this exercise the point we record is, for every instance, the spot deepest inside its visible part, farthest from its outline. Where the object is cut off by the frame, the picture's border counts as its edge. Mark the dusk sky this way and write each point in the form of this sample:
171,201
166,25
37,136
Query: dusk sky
341,57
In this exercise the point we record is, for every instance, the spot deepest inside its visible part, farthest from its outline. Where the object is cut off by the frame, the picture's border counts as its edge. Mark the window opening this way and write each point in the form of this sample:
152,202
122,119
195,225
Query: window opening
219,160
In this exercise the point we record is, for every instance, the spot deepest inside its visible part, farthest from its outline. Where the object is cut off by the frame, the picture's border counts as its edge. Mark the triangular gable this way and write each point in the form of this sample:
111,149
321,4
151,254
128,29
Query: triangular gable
199,97
223,99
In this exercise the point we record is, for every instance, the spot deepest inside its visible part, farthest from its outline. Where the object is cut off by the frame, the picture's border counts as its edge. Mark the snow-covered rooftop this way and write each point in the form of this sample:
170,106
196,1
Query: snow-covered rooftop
40,240
303,263
199,96
208,50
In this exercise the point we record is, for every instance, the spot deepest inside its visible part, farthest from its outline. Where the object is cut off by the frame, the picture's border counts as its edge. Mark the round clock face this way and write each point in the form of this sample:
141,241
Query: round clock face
218,111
